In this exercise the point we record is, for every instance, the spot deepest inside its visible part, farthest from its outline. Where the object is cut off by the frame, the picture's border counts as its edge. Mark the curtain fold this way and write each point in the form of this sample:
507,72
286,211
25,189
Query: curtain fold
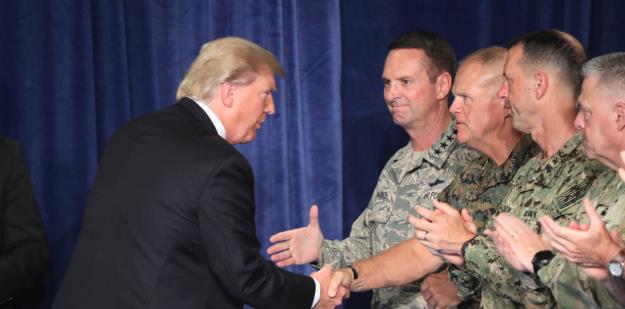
74,71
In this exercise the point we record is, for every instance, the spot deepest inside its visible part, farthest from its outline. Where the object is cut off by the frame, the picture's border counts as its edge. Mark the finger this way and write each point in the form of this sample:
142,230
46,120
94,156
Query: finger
444,207
279,247
424,212
574,225
335,283
591,211
282,236
313,216
421,235
621,172
556,230
420,224
281,256
466,215
285,263
615,236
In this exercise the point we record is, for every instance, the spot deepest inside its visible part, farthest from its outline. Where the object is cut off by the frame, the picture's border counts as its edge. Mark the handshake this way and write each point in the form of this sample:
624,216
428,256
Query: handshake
303,245
334,286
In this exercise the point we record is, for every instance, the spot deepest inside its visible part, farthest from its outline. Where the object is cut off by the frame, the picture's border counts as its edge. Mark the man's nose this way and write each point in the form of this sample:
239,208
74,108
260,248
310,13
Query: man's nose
579,121
503,91
270,108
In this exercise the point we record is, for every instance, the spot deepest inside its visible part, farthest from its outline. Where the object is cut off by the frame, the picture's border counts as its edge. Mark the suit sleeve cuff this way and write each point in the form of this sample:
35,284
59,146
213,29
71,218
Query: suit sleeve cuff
317,293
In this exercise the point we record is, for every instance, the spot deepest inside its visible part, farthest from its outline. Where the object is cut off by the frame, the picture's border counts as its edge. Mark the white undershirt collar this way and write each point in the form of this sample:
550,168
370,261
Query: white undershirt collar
219,126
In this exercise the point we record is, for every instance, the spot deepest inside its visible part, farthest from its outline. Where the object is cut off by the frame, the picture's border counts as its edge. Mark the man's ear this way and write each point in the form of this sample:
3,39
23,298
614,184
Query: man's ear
619,111
226,93
443,85
541,82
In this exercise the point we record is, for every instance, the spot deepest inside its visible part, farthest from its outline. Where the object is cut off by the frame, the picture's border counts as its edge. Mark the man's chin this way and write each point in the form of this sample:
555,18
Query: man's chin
589,152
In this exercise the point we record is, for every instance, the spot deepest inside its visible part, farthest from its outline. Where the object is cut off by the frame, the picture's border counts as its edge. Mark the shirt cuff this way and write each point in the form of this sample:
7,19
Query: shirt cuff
317,293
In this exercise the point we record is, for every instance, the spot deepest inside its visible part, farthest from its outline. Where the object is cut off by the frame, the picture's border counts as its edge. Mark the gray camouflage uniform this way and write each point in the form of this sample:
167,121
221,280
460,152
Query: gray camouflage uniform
408,179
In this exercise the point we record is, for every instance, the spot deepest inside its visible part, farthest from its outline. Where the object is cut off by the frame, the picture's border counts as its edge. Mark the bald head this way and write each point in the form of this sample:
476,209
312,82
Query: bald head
480,114
490,61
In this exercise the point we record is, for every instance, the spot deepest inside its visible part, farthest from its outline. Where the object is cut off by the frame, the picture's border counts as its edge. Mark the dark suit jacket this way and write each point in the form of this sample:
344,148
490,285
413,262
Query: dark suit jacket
24,255
169,223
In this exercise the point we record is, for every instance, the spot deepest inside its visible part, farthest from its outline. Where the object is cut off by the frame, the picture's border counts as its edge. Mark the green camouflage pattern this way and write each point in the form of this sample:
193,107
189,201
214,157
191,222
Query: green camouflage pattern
408,179
570,286
480,188
552,187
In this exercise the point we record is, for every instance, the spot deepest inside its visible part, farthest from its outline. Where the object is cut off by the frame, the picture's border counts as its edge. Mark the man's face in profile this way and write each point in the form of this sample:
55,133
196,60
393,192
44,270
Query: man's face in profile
479,112
252,102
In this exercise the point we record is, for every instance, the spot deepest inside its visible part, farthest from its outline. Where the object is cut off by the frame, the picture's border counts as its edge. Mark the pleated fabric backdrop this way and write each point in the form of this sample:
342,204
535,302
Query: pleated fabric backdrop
72,71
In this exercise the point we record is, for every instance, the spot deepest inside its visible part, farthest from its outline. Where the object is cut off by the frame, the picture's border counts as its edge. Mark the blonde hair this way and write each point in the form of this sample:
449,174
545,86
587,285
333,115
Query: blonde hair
228,59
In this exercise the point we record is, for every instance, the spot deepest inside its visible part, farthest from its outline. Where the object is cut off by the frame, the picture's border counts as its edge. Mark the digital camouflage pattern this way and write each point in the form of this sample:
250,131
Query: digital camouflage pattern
480,188
408,179
552,187
570,286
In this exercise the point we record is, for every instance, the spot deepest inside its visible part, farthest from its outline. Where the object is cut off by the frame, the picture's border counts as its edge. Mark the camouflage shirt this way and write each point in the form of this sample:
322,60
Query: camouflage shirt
480,188
571,287
551,187
408,179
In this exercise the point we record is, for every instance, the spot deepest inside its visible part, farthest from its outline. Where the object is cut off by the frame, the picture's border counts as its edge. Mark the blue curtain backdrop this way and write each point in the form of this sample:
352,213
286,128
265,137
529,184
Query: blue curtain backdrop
73,71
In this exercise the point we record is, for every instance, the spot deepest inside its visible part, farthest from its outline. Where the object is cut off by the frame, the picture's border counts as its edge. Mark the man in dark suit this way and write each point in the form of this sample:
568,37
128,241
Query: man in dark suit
24,254
169,221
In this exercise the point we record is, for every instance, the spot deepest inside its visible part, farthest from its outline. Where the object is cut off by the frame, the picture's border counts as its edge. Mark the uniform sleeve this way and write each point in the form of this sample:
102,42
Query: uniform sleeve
359,244
228,230
25,255
468,284
483,260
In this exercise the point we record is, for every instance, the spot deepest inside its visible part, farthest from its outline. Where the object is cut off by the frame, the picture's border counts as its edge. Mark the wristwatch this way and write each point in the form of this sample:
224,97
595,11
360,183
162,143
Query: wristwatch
615,267
541,259
354,271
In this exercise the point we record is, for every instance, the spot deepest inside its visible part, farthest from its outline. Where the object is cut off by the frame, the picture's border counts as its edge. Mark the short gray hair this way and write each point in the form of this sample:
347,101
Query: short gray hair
228,59
487,56
611,71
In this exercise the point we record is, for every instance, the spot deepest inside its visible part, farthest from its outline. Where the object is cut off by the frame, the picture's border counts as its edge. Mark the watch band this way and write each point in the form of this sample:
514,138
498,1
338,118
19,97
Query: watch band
541,259
617,265
354,271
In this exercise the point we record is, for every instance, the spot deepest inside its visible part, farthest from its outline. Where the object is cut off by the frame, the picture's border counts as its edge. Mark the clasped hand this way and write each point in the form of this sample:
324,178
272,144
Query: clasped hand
444,230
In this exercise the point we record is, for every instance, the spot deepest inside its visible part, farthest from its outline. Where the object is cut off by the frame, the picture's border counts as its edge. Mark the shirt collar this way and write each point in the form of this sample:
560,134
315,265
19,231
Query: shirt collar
219,126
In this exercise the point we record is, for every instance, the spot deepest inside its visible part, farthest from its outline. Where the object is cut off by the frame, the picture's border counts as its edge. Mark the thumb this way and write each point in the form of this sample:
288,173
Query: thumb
466,215
313,216
616,237
335,283
591,212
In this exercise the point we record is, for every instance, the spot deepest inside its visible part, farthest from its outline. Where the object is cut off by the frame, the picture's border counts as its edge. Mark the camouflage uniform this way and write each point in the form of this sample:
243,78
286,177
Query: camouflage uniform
570,286
480,188
552,188
408,179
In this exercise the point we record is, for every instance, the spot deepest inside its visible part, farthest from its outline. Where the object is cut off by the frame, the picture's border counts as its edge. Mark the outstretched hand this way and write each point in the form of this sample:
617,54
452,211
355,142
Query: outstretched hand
298,246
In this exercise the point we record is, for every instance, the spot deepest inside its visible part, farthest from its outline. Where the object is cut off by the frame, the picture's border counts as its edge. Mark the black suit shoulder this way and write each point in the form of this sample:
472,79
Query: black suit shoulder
24,254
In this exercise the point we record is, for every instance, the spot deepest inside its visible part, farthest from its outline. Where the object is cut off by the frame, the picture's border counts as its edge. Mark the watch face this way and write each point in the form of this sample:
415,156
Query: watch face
615,269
